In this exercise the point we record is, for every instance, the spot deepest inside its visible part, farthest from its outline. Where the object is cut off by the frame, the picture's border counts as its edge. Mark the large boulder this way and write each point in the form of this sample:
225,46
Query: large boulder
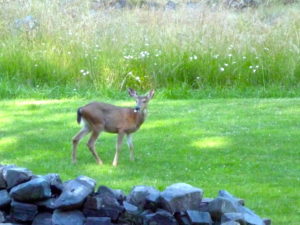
181,197
75,193
33,190
144,197
74,217
15,175
4,199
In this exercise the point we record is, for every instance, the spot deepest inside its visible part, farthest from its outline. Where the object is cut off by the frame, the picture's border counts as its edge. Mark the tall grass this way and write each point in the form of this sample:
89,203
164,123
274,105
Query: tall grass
82,48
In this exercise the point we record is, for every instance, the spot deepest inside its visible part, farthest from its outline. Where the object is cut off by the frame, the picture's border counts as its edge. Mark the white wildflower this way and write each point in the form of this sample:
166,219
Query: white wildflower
216,56
229,55
222,69
244,57
193,57
250,67
128,57
138,79
144,54
225,64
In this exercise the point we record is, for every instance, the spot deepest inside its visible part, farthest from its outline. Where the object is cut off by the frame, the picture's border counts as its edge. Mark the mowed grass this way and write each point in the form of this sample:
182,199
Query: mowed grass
249,147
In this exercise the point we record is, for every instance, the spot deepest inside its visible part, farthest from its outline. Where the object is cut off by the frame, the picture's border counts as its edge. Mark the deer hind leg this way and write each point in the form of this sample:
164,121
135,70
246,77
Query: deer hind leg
118,148
91,144
76,139
130,145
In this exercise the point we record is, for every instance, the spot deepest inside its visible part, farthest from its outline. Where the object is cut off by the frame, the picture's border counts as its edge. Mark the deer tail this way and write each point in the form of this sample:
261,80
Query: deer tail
79,115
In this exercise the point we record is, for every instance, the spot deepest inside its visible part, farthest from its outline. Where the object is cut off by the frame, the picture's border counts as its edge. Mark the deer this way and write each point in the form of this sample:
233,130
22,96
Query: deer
97,117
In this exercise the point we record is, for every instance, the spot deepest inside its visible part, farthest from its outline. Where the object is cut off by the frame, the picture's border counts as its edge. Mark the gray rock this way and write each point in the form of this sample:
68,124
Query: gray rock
117,194
56,184
221,205
232,204
267,221
98,221
43,219
170,5
204,204
23,212
118,4
103,205
75,193
250,217
237,217
48,204
226,194
199,218
16,175
230,223
181,197
182,218
144,197
132,214
27,23
74,217
2,217
2,181
4,199
12,224
33,190
161,217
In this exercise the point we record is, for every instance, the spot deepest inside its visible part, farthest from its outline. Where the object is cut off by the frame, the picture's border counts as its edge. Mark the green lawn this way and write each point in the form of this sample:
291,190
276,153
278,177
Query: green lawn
250,147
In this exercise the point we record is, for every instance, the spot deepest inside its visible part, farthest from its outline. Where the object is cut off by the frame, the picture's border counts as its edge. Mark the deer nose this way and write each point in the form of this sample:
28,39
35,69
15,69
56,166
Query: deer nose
137,108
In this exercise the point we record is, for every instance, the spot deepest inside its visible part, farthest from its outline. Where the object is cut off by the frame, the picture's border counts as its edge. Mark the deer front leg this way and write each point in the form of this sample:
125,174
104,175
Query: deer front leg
76,139
130,145
118,148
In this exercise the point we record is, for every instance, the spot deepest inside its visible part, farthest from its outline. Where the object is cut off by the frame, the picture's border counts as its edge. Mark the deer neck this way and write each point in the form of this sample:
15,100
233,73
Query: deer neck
140,116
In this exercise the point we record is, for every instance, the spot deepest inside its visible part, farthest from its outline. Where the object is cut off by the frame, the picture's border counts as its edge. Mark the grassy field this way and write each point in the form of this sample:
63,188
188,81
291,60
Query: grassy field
249,147
71,45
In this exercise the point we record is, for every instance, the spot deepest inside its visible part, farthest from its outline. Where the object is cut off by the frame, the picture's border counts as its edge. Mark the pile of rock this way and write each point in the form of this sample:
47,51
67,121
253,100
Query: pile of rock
45,200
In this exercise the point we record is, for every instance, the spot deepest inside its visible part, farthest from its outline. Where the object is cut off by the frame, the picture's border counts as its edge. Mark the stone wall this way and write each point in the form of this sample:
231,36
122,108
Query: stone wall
26,198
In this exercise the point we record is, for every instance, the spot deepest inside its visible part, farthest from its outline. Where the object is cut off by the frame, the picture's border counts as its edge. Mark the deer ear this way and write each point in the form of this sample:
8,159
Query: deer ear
151,93
132,92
